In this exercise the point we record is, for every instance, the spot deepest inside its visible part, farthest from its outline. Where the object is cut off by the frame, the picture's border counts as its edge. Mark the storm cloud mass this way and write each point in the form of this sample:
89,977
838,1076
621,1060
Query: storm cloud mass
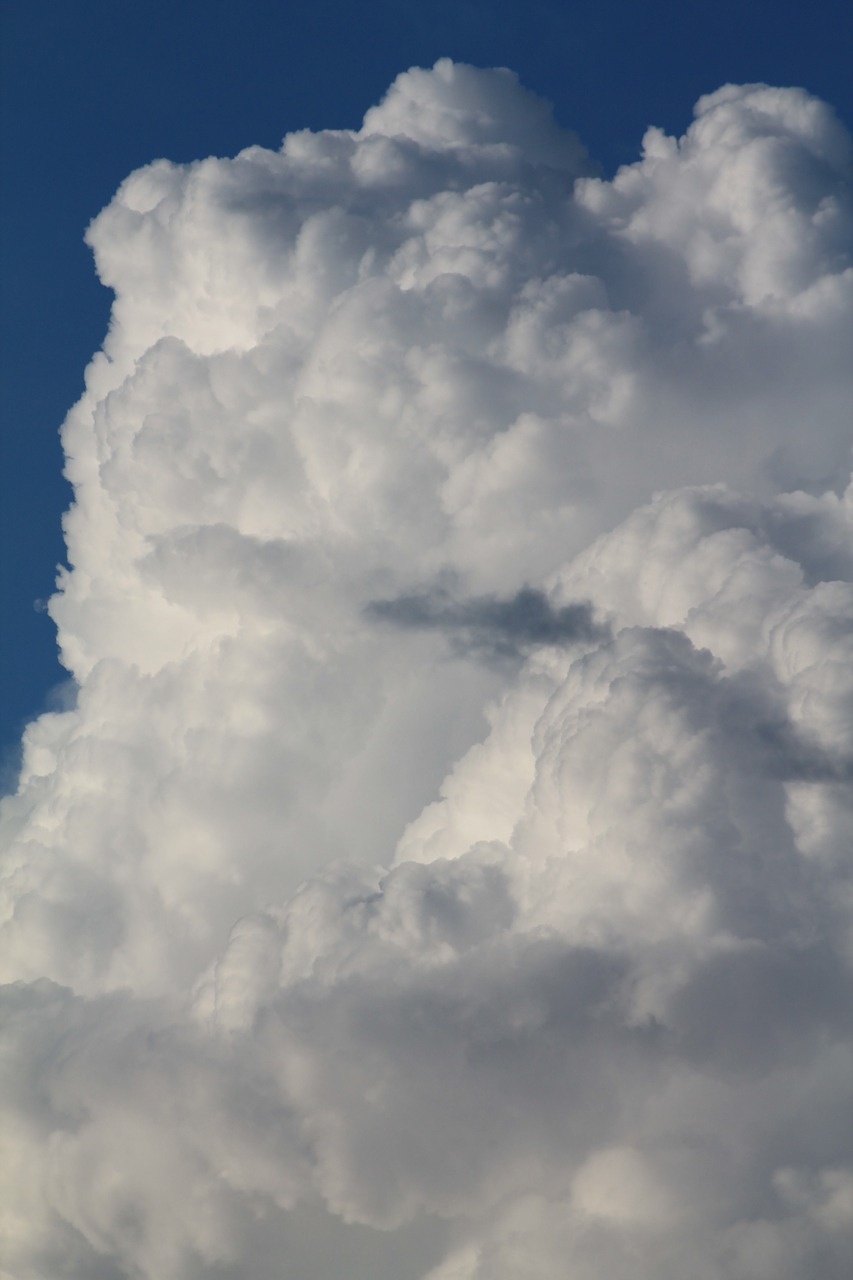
444,872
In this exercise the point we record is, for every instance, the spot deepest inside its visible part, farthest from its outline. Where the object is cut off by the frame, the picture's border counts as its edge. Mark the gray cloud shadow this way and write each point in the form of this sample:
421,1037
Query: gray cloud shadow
488,627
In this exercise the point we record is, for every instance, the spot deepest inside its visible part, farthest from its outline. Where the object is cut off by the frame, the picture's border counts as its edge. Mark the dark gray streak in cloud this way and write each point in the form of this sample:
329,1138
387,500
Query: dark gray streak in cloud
488,627
766,740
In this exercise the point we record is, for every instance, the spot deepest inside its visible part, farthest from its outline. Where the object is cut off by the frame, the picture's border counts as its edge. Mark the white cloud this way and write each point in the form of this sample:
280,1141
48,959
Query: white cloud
446,864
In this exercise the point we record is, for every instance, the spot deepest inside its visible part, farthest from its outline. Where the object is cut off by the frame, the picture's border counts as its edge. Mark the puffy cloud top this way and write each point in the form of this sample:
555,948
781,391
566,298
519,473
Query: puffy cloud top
459,108
444,871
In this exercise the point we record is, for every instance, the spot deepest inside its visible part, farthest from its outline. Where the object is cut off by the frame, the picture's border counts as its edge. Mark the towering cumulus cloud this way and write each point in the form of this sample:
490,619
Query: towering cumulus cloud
445,870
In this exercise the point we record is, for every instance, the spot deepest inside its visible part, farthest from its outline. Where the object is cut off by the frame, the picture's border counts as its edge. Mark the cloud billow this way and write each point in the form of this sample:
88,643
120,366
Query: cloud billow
492,927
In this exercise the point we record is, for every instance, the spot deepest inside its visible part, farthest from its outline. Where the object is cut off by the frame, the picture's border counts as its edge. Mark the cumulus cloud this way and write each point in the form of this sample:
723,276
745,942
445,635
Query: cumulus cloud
444,872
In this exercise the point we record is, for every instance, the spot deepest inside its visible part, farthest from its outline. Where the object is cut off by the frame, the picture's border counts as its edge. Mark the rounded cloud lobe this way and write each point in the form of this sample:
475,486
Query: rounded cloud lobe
444,873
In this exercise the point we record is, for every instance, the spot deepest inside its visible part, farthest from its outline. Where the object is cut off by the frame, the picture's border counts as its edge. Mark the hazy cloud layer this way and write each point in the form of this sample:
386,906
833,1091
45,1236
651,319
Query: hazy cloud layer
333,945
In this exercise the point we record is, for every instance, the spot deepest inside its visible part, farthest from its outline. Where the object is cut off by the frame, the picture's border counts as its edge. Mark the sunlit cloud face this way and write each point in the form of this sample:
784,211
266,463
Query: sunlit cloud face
444,871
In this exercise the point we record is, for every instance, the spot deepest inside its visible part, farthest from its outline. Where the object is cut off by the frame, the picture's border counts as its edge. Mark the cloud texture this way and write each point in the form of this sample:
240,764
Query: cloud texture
444,872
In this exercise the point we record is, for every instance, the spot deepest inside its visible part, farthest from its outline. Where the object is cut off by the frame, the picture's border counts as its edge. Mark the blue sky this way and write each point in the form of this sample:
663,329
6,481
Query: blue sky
91,91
